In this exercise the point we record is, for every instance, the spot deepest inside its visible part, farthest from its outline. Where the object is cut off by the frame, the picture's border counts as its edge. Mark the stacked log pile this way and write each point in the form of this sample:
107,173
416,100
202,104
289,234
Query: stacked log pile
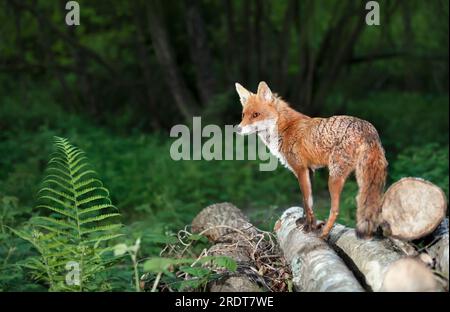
413,258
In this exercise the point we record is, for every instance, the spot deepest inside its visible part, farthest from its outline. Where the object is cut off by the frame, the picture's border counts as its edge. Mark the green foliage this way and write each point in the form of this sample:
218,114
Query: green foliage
428,161
402,120
78,223
186,273
132,251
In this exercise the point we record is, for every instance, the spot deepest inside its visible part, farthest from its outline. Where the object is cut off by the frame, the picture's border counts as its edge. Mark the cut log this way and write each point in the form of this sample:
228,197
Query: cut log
413,208
219,220
382,263
234,236
315,265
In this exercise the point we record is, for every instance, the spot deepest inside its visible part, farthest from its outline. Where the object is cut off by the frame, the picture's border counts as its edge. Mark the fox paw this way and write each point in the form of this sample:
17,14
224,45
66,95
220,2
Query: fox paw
365,229
386,229
322,230
300,221
305,224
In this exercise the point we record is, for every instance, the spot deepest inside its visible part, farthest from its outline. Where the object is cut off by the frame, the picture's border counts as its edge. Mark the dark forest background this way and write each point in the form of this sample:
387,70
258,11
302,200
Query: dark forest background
117,83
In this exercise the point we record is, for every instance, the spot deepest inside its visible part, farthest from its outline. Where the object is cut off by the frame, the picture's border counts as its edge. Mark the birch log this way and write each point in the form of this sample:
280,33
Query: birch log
315,266
382,264
413,208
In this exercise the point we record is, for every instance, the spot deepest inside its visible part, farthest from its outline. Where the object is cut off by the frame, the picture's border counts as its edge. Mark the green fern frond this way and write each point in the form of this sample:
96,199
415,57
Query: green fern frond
72,190
80,217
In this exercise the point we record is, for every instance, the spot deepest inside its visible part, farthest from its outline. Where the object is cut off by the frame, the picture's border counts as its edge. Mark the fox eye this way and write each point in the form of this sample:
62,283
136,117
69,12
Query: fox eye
255,114
243,114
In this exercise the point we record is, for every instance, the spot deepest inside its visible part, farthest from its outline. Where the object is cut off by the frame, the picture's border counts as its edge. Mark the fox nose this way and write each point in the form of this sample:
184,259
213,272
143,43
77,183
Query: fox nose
238,129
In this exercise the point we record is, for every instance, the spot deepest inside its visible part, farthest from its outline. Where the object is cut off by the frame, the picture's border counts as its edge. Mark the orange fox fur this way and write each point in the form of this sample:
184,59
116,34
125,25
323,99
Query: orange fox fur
342,143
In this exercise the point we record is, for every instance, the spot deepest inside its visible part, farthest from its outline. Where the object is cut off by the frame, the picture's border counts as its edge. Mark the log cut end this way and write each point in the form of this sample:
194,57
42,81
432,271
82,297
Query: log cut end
410,275
413,208
219,220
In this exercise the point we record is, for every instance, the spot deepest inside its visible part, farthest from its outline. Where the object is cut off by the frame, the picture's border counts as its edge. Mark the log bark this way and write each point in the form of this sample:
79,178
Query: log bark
315,265
382,264
413,208
439,252
235,237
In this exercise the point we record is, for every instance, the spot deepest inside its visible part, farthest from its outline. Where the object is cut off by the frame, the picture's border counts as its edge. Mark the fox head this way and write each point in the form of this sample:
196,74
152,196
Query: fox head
258,110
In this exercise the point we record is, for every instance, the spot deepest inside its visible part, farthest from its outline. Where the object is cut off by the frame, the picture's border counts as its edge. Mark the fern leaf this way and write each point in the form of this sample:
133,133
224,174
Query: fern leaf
61,179
99,218
96,229
51,198
60,171
92,199
92,189
73,163
57,184
83,174
104,238
58,210
56,231
85,183
96,208
78,168
53,191
54,221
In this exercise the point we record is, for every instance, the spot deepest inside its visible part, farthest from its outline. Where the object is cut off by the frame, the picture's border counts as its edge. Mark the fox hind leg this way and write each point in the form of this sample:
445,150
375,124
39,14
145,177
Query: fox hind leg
339,169
335,186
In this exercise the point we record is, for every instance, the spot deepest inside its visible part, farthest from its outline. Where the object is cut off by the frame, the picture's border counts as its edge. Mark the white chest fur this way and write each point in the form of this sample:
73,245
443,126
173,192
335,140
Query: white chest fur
271,139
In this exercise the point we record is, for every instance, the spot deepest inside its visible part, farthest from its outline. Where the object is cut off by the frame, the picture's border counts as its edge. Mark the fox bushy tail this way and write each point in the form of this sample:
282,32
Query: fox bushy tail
371,171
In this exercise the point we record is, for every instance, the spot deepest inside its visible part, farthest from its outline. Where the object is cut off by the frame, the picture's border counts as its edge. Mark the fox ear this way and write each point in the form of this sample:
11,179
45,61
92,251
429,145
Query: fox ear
244,94
264,92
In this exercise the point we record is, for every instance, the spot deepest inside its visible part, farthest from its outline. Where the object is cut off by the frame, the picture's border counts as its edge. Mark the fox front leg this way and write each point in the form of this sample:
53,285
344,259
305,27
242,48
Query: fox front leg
306,189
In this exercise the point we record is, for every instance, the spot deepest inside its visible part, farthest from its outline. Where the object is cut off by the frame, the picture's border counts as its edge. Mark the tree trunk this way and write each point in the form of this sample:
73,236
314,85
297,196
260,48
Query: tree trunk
232,51
200,53
247,46
165,56
315,266
281,71
257,35
413,208
341,52
145,66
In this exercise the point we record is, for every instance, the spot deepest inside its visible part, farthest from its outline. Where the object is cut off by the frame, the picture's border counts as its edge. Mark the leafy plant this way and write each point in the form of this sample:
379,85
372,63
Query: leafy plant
183,273
72,236
132,251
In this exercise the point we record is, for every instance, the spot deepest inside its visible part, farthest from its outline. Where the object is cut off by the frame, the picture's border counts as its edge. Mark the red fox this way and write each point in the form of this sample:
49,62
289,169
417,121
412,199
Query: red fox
342,143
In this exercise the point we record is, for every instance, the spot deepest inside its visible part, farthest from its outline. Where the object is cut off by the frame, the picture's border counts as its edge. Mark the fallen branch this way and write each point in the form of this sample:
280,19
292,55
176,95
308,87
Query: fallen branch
315,265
